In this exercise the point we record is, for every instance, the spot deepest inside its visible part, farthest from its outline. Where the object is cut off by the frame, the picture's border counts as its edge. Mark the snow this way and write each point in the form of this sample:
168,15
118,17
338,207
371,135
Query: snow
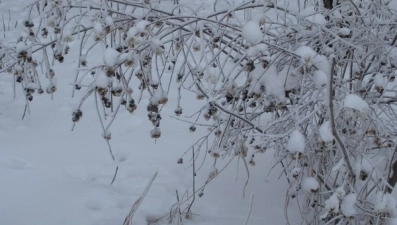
380,202
344,31
311,58
320,79
110,57
21,47
258,49
296,142
338,165
98,28
296,171
318,19
158,95
58,177
109,21
252,32
102,80
270,79
141,25
354,101
348,205
379,80
332,203
310,184
326,132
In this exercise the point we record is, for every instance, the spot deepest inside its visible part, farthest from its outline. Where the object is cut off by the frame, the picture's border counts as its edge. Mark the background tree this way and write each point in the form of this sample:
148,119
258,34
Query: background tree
312,80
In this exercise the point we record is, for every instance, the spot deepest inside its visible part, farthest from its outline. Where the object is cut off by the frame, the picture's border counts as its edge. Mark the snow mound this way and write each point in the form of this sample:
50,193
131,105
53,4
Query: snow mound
347,206
110,57
332,203
356,102
310,184
319,78
296,142
102,80
326,132
252,32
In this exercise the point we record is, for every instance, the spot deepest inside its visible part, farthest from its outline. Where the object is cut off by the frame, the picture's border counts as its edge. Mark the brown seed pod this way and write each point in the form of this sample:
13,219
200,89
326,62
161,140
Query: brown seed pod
155,133
178,111
192,128
152,108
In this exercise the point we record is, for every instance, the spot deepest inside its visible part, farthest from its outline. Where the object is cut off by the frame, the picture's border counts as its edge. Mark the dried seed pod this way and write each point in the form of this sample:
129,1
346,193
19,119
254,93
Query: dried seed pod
152,108
28,23
139,74
207,116
363,175
19,79
215,153
180,161
163,100
110,72
178,111
179,78
107,136
106,102
50,74
102,91
249,66
154,84
29,97
200,96
77,115
155,133
196,46
117,91
51,88
131,106
192,128
59,57
265,64
44,32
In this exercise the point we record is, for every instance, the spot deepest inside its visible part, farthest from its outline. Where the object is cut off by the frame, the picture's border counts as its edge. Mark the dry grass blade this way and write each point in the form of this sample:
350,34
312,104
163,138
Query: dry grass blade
128,219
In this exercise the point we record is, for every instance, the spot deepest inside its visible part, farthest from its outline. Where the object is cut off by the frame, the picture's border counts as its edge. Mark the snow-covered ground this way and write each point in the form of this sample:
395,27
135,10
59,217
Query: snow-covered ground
51,175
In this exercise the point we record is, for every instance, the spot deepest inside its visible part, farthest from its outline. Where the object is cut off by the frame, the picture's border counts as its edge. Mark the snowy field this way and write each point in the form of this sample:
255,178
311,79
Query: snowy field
53,176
